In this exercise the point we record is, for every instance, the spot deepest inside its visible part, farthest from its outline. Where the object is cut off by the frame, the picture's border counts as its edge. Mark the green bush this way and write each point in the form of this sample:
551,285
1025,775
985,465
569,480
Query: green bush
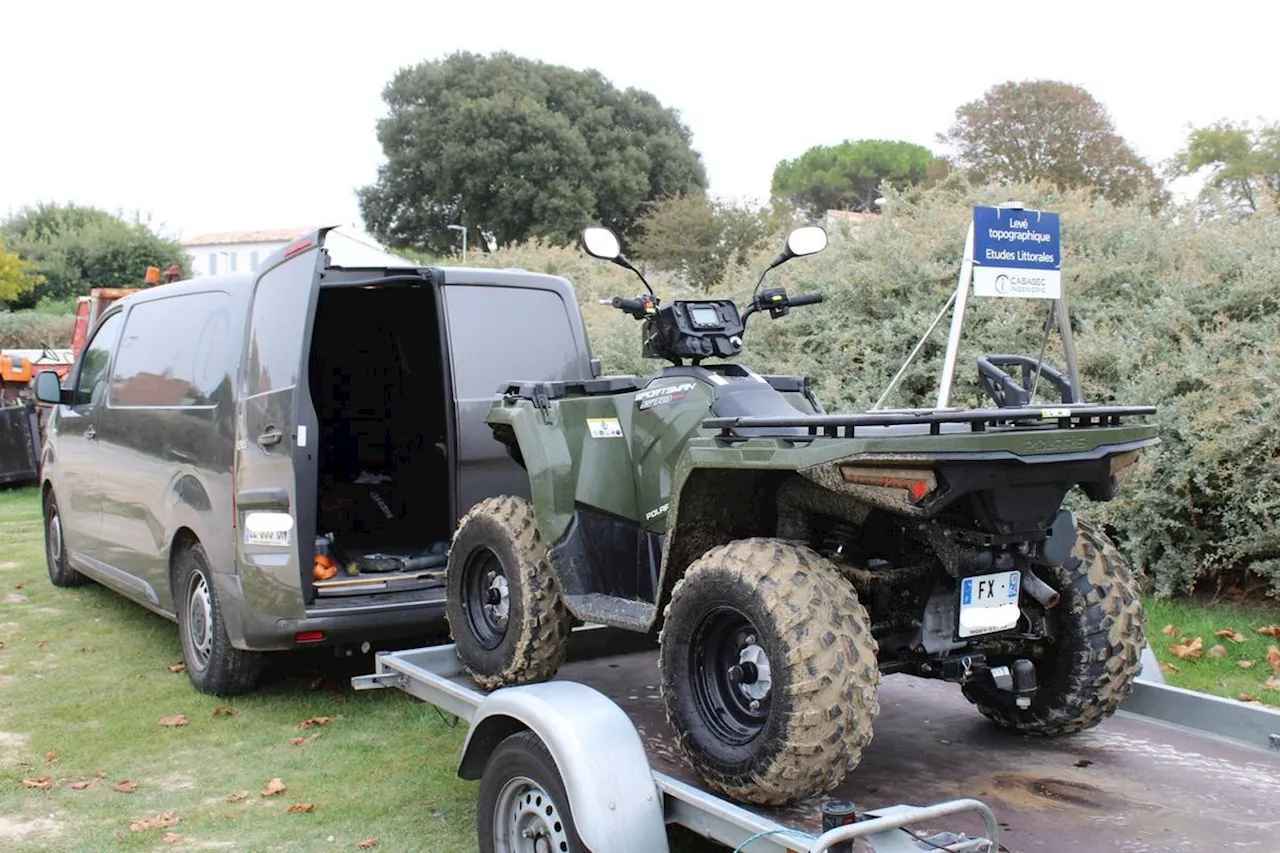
33,329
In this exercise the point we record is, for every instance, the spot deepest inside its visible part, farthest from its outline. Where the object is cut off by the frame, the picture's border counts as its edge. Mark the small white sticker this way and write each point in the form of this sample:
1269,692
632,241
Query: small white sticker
604,427
268,528
302,435
1055,413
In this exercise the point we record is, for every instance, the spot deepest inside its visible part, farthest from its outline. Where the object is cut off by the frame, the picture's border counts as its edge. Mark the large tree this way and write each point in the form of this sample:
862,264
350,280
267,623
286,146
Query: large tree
17,276
75,248
1043,130
1242,162
699,237
848,176
517,149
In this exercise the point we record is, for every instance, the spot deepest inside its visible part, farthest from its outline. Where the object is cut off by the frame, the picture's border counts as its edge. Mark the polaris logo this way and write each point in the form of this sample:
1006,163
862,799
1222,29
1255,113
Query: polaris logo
655,512
662,396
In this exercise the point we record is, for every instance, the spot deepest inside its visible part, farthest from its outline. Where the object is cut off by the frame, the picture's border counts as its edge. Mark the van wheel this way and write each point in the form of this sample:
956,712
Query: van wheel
503,604
55,548
523,807
213,664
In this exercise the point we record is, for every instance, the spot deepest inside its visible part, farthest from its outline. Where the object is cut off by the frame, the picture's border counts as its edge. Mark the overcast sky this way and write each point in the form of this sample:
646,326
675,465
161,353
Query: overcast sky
246,115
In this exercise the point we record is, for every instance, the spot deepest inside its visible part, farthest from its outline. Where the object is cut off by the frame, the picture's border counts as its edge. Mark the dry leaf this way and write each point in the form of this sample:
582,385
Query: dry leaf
1168,668
235,798
42,644
43,783
1217,651
297,741
275,786
98,774
86,650
177,667
51,756
125,787
158,822
1249,700
1273,658
314,721
301,807
1,644
1230,634
80,786
1188,649
225,711
1271,683
170,722
171,837
367,844
1245,664
1270,631
1169,631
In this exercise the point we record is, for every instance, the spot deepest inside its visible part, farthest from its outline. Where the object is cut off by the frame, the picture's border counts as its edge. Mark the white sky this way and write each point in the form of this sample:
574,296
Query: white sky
240,115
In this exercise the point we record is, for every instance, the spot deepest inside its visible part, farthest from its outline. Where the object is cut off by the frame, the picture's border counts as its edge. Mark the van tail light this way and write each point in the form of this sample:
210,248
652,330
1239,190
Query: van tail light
299,246
308,636
917,483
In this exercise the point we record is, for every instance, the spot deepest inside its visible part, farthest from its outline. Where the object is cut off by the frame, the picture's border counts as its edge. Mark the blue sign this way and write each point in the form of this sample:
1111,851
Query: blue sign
1016,253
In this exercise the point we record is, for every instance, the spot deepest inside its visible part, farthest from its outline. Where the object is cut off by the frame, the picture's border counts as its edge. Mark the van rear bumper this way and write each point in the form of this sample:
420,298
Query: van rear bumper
352,623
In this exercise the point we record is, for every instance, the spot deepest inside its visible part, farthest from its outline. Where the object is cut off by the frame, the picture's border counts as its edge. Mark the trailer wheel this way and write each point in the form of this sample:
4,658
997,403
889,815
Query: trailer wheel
214,665
55,548
1088,670
503,603
769,671
523,805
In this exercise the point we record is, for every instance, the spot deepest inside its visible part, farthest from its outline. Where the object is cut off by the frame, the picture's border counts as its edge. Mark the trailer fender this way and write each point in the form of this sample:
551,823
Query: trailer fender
615,802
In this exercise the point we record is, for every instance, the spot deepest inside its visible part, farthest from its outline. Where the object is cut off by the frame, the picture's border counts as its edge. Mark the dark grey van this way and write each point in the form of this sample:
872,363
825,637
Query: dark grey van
216,435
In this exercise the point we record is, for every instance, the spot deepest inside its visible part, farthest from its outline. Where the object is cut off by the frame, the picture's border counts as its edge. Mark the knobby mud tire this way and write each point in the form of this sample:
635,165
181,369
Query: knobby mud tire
824,670
1089,670
538,623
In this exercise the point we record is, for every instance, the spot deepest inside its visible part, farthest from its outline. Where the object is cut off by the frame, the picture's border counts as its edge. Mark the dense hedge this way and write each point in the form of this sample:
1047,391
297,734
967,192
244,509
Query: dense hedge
32,329
1174,310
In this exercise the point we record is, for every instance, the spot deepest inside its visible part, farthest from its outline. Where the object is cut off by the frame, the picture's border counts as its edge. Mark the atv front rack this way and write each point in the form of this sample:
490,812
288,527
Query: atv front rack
843,426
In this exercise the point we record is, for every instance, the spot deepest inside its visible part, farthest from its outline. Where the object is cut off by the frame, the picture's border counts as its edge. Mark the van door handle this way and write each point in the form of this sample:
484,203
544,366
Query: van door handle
90,433
271,437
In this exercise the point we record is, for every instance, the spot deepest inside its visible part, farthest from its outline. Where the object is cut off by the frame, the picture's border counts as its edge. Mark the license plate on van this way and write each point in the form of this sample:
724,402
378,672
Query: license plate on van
989,603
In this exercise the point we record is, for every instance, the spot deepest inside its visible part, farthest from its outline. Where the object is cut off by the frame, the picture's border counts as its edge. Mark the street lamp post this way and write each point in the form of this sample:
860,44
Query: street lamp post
463,230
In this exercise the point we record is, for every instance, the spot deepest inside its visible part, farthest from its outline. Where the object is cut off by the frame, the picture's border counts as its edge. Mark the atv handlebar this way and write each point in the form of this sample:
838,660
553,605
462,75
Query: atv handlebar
640,307
806,299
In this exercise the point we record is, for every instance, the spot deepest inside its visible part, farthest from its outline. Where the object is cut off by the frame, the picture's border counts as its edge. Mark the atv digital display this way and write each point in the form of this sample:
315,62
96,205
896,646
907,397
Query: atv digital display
705,317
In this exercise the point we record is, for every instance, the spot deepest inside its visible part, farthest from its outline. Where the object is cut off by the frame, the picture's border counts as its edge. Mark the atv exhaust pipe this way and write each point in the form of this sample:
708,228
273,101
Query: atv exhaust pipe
1039,590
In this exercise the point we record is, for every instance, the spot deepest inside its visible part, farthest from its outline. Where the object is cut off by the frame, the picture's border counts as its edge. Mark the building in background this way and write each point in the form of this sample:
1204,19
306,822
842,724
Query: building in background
243,251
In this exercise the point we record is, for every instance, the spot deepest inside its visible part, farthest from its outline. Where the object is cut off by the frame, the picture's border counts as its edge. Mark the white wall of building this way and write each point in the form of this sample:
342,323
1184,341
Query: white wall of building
346,246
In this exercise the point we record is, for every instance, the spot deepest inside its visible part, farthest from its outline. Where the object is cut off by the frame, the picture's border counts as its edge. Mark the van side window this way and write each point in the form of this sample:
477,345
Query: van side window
91,382
175,352
501,334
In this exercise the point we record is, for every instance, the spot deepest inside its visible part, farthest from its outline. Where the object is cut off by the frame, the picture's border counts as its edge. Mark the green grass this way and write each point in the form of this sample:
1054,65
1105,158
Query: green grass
83,674
1207,673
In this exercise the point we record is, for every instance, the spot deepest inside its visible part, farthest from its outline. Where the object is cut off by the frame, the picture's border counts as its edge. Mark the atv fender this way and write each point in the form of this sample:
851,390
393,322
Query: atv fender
544,453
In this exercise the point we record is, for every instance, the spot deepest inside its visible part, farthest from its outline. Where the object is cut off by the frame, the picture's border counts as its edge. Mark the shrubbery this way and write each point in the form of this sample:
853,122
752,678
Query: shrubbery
1173,310
32,329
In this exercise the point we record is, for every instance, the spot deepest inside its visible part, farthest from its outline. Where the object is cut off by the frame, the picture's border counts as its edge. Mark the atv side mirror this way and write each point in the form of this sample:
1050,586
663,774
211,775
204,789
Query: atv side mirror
808,240
601,243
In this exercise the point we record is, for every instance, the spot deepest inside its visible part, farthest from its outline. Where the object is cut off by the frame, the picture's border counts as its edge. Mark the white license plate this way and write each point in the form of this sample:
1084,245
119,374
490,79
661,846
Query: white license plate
989,603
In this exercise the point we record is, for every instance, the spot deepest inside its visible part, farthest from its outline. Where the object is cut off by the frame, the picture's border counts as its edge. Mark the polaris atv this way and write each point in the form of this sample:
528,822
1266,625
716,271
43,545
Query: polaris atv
790,556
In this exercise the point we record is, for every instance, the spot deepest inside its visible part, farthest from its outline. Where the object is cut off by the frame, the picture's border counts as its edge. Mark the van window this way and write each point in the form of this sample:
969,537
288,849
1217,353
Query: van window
91,382
533,325
175,351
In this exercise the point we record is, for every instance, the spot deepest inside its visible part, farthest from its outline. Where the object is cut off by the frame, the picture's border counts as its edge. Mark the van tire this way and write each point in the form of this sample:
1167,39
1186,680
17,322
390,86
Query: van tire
55,547
214,665
505,612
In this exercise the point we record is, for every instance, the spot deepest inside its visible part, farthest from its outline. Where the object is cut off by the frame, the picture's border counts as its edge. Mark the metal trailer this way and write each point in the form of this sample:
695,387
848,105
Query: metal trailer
1173,770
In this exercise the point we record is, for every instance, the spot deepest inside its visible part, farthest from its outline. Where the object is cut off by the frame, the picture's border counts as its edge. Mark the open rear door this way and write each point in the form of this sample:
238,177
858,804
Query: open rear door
276,456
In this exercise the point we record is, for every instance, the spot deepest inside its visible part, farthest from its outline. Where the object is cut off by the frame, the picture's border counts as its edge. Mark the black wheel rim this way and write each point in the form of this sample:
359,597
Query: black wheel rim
486,598
731,675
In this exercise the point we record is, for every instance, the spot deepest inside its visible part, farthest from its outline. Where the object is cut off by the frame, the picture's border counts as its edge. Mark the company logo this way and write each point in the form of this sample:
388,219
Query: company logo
656,511
646,400
1002,284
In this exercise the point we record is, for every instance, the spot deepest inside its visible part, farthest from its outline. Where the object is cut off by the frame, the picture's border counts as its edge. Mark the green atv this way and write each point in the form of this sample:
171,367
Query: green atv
792,556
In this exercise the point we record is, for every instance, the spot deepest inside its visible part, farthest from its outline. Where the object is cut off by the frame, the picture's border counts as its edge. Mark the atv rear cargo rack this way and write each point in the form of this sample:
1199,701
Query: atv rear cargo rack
1075,416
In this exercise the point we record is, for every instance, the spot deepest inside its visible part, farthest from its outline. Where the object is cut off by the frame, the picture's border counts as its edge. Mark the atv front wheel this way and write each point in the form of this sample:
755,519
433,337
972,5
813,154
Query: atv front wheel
1088,670
504,608
769,671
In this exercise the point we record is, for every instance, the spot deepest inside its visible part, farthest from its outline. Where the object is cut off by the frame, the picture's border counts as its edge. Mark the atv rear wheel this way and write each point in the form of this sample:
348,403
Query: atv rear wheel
769,671
1088,670
504,606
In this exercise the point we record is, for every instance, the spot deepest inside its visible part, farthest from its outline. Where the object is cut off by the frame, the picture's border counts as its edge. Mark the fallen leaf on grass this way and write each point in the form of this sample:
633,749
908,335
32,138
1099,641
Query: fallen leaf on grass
1167,667
225,711
1188,649
1248,700
142,824
98,774
1270,631
170,722
81,785
297,741
1,644
314,721
43,783
177,667
171,837
1230,634
301,807
275,786
51,756
1217,651
125,787
235,798
42,644
1273,658
86,650
1245,664
1169,631
1271,683
367,844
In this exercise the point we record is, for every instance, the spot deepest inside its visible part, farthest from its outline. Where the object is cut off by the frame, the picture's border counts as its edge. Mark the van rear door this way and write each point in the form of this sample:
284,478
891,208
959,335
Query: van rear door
276,435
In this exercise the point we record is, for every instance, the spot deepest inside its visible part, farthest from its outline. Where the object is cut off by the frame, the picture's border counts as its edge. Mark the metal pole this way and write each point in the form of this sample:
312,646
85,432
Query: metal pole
1069,349
923,338
907,817
957,322
464,245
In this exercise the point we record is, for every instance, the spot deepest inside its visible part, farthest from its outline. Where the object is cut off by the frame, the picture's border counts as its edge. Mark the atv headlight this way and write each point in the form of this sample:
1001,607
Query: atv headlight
918,484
